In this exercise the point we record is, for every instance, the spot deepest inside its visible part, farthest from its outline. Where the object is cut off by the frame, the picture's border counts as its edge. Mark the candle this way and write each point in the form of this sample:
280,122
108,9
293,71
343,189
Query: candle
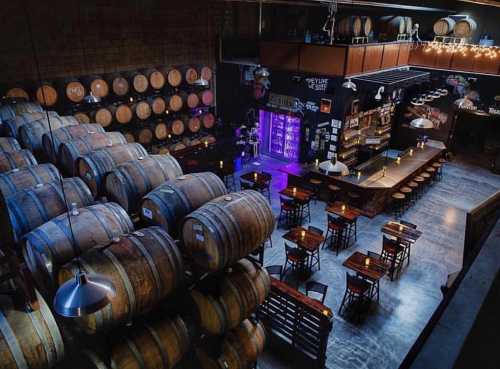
411,152
316,162
302,234
343,207
359,174
206,143
294,190
398,160
169,136
221,164
255,175
367,262
401,228
384,170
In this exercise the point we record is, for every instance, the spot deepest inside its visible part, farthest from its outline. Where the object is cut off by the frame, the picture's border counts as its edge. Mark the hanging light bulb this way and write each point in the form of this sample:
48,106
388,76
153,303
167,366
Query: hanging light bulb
350,85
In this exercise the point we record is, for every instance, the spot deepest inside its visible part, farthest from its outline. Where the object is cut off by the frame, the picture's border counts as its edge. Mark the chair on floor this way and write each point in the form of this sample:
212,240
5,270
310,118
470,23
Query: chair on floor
296,257
334,193
288,212
317,288
315,230
315,186
375,283
275,270
393,253
335,234
244,185
357,292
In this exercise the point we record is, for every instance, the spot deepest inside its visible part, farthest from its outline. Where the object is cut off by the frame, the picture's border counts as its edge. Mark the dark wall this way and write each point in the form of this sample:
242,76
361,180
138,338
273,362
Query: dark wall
75,37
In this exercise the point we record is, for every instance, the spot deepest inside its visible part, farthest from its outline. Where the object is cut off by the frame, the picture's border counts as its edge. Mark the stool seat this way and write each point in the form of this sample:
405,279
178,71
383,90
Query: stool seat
437,165
315,181
398,196
419,179
425,175
333,188
442,160
413,184
430,170
405,190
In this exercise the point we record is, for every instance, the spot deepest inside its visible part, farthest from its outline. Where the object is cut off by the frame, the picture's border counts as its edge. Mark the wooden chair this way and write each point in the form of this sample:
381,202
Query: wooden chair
288,211
357,292
316,287
315,230
334,192
407,245
274,270
375,283
392,253
315,185
336,233
297,258
244,185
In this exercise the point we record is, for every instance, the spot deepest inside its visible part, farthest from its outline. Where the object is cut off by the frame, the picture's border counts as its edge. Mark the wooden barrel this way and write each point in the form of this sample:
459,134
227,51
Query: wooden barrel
192,100
19,179
209,313
74,90
243,345
95,165
130,181
119,84
46,94
207,97
190,74
82,117
30,134
161,131
464,28
87,359
227,229
444,26
408,25
177,147
175,103
48,246
159,344
208,120
51,141
138,81
202,360
389,27
178,127
158,105
70,151
28,339
129,136
102,116
9,111
163,150
142,110
18,93
169,203
156,78
18,159
97,85
12,125
34,206
9,144
194,124
351,26
245,287
144,266
206,73
123,113
174,76
145,136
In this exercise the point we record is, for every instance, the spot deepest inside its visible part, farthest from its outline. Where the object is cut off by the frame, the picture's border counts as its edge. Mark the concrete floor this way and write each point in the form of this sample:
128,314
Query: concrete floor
384,337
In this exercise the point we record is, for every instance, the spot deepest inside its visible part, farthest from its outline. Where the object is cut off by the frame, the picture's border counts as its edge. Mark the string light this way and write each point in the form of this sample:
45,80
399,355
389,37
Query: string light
453,47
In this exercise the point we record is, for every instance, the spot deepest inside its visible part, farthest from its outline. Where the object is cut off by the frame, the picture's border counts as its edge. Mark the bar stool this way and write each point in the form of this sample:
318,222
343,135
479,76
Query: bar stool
315,185
407,191
357,293
335,234
398,203
393,253
354,199
414,187
427,178
438,166
432,171
334,192
420,181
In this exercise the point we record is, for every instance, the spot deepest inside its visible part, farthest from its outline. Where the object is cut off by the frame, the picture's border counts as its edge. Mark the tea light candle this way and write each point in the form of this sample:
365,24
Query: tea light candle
411,152
255,175
343,207
316,162
359,174
401,228
294,190
221,164
302,234
398,160
206,143
367,262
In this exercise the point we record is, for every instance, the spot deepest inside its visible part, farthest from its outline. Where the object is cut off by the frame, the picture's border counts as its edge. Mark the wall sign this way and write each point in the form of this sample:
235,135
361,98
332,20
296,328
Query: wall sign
317,84
284,102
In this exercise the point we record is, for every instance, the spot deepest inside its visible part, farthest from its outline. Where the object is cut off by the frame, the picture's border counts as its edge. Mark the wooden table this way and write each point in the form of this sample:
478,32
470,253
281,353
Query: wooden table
311,242
349,214
260,179
301,194
401,231
375,271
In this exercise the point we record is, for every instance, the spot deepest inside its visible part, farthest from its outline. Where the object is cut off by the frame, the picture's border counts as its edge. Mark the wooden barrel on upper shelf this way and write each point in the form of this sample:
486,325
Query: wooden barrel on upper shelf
28,339
144,266
122,113
46,94
70,151
18,159
189,74
389,27
97,85
243,345
142,110
102,116
464,28
18,92
192,100
168,204
156,78
350,26
9,111
158,105
9,144
245,287
175,102
173,76
32,207
178,127
74,90
129,136
31,133
138,81
130,181
159,344
13,124
145,136
209,313
206,73
408,25
444,26
207,97
82,117
227,228
95,165
194,124
208,120
48,247
51,141
161,131
19,179
119,84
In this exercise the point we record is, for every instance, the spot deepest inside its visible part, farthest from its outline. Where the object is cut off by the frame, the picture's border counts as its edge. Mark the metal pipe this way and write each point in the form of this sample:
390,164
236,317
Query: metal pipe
260,18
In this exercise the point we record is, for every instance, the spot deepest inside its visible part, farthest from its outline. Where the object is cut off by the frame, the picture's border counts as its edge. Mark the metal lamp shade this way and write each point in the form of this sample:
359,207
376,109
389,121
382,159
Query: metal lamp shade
84,294
423,123
338,167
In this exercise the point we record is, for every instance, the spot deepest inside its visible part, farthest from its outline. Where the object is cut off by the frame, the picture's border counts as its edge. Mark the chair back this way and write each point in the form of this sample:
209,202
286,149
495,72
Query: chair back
334,220
374,255
286,201
245,185
320,288
315,230
275,270
408,224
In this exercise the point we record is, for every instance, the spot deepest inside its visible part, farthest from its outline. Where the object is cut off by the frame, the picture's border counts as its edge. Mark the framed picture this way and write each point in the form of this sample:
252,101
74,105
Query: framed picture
355,107
325,106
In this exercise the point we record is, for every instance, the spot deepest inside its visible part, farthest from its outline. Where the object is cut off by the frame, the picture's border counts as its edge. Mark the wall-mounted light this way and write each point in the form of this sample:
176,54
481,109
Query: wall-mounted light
378,96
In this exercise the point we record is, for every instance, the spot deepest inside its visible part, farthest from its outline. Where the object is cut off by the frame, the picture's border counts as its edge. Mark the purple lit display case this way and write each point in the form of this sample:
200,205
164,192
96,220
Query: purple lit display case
279,134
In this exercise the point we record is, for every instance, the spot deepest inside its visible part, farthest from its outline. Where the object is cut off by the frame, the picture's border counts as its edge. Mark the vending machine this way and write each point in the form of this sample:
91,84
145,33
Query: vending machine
279,134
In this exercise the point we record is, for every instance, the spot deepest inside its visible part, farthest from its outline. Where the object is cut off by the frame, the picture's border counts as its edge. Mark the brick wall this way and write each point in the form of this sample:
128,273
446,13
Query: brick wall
80,37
